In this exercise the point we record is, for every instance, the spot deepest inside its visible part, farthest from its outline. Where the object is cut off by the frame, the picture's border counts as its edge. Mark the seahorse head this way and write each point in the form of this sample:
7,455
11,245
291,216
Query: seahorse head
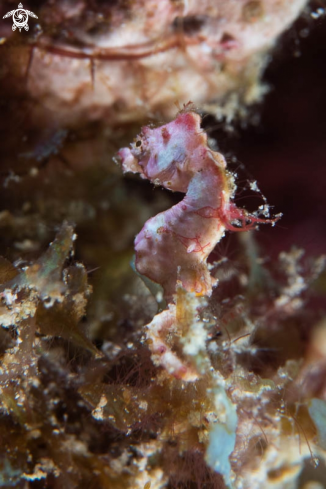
165,155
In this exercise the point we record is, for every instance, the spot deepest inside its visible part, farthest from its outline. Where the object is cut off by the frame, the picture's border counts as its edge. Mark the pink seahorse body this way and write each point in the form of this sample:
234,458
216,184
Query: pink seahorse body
173,247
175,244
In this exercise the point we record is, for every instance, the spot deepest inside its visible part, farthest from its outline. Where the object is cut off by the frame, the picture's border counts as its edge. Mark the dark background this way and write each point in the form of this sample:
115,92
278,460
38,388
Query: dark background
286,151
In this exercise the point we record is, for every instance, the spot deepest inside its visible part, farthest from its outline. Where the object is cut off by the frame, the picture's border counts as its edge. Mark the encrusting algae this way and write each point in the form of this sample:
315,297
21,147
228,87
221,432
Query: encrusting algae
211,392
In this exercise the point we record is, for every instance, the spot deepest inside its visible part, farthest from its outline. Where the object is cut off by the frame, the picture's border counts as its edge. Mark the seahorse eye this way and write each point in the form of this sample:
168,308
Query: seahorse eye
138,143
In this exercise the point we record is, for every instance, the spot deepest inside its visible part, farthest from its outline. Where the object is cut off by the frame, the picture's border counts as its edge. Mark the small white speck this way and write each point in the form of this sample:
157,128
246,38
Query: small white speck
319,12
254,186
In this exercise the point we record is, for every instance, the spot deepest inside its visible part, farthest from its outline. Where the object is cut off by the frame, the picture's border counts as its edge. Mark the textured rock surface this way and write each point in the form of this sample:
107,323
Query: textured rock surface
134,59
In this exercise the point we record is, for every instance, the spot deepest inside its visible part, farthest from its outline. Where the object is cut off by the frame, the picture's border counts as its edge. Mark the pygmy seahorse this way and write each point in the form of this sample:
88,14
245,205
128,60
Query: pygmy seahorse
175,244
173,247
